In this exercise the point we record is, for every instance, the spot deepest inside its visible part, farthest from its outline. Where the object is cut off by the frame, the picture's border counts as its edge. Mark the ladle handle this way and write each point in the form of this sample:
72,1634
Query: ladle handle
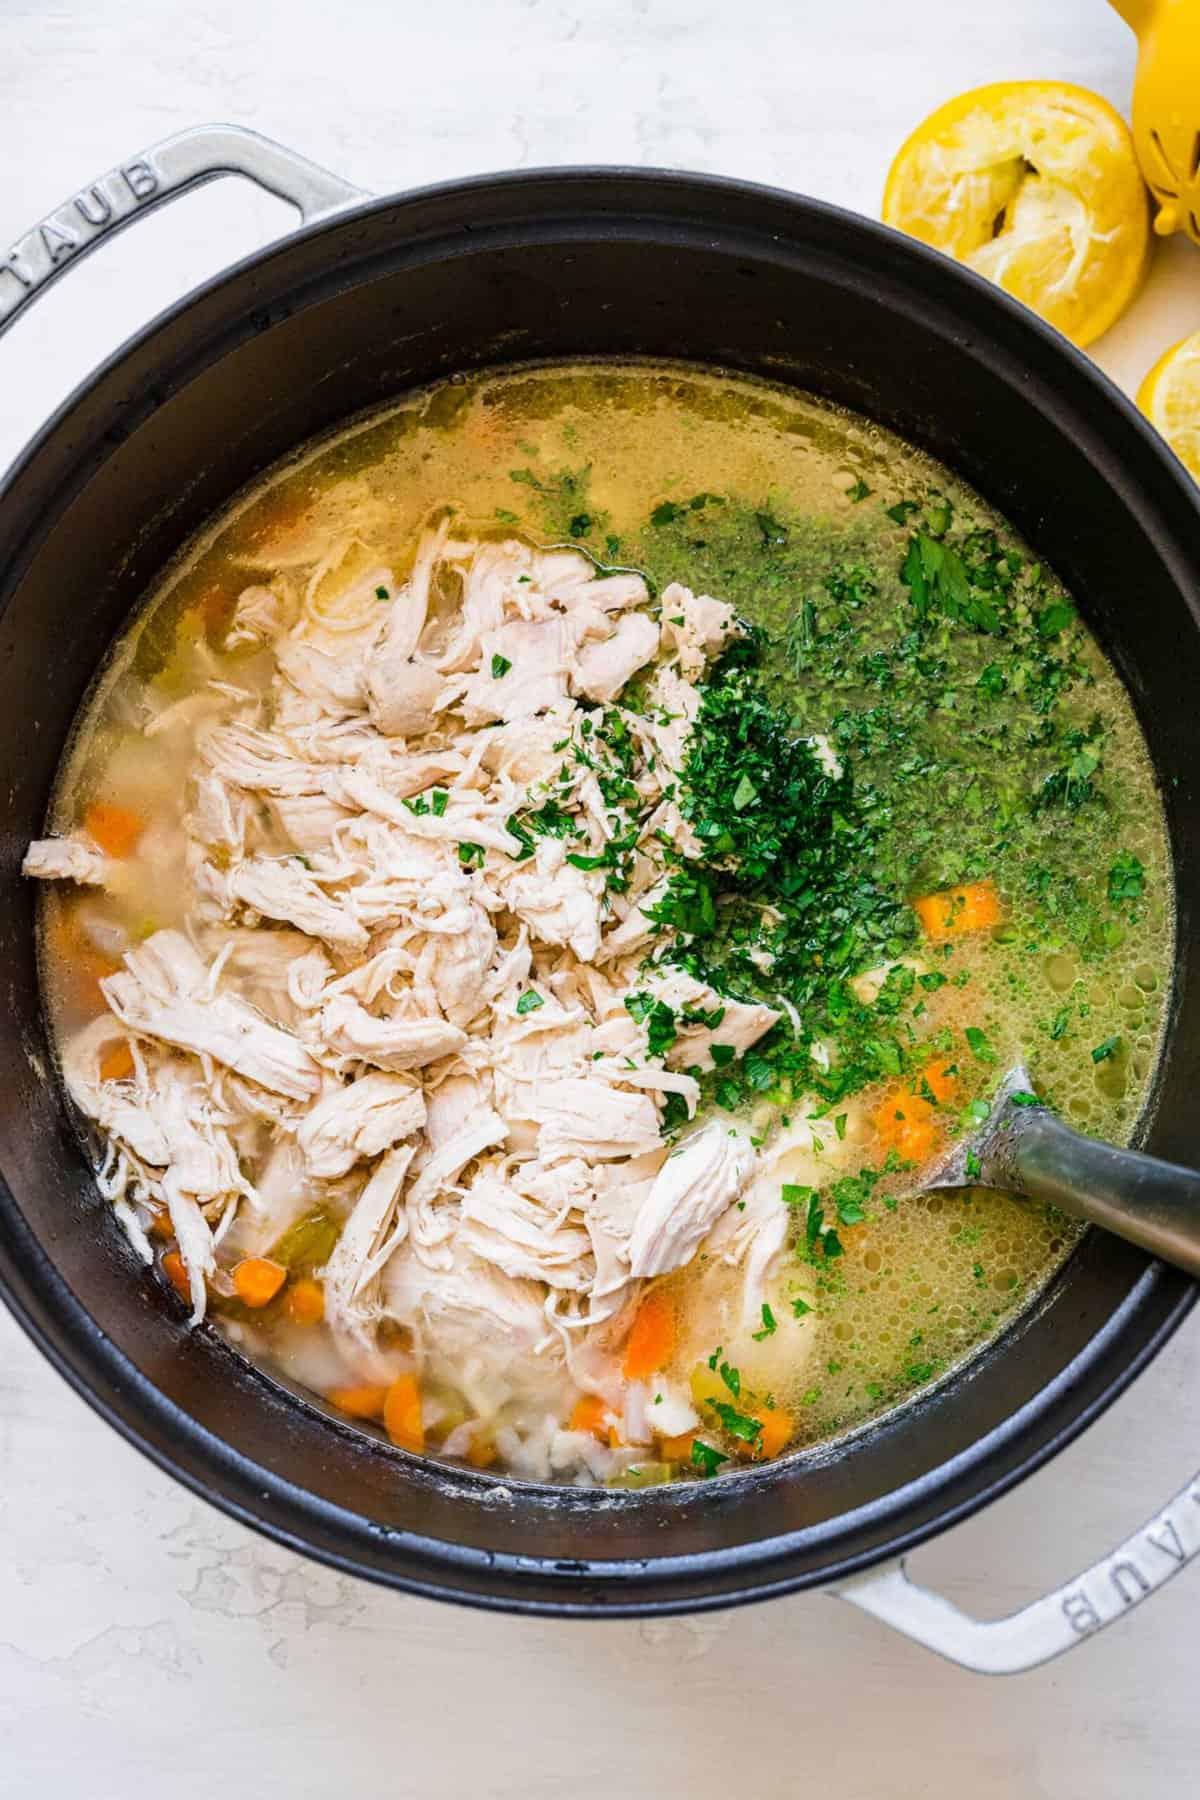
1151,1203
147,181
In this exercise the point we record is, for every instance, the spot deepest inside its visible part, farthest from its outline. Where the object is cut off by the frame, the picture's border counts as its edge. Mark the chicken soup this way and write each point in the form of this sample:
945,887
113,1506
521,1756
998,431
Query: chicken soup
543,875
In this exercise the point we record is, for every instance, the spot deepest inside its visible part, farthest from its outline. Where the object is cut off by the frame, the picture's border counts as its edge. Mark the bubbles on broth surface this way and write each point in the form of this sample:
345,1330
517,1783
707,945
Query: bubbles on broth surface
597,454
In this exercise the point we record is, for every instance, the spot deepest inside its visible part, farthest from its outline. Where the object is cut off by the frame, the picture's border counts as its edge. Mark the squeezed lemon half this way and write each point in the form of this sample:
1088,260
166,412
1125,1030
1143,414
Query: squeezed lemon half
1170,399
1034,184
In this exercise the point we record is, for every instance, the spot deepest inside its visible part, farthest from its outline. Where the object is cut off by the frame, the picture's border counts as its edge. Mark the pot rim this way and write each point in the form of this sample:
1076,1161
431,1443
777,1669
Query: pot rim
67,1335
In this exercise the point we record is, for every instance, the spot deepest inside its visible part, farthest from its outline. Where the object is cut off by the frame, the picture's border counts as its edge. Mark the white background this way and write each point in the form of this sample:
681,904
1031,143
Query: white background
147,1646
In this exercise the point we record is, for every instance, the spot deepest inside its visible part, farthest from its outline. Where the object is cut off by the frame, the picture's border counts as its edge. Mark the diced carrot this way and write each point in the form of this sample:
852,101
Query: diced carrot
677,1449
941,1078
904,1123
958,911
907,1121
652,1338
481,1452
174,1269
114,828
359,1402
117,1063
590,1413
258,1280
305,1303
402,1414
777,1429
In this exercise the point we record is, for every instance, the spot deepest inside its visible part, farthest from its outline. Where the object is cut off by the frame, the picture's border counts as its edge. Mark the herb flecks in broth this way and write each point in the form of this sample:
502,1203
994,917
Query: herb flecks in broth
917,822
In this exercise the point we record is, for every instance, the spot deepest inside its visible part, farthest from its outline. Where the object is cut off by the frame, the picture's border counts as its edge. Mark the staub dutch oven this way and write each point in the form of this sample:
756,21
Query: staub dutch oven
373,296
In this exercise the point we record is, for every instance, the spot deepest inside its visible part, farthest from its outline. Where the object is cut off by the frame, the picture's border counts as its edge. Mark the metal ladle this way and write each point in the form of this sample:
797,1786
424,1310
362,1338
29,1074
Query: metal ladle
1022,1148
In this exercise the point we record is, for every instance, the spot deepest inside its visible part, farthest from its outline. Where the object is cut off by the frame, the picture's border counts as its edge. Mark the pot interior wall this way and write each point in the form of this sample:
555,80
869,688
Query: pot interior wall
342,319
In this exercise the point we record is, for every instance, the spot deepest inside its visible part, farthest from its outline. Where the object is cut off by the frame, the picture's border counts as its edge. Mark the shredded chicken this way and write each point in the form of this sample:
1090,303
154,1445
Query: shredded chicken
73,858
408,1000
695,1185
359,1121
163,993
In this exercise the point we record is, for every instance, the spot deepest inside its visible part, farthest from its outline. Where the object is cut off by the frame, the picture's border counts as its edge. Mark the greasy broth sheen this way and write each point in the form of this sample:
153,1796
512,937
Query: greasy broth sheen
777,504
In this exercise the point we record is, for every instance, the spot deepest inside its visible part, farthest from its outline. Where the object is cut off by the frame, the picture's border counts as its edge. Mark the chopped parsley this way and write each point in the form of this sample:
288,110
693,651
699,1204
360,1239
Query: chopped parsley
1126,878
739,1425
706,1457
658,1018
500,666
529,1002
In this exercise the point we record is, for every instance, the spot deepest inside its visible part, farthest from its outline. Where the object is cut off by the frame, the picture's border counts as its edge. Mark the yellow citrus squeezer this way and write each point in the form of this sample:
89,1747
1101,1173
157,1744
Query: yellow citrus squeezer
1166,108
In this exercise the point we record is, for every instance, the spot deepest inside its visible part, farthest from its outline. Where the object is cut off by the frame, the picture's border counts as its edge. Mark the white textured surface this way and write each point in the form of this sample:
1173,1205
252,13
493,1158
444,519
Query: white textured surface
148,1646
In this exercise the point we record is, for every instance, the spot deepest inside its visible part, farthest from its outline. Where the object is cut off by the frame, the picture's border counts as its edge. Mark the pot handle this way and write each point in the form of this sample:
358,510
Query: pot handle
1047,1627
147,181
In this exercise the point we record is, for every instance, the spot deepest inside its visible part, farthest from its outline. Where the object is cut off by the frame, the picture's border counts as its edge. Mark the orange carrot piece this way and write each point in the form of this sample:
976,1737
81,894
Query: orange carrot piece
114,828
677,1449
305,1303
941,1078
174,1269
481,1452
959,911
116,1063
777,1429
258,1280
904,1124
590,1413
359,1402
652,1338
402,1414
907,1122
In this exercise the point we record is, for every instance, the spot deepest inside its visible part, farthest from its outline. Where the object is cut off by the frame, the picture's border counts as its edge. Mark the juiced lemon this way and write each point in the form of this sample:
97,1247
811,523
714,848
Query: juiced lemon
1170,399
1034,184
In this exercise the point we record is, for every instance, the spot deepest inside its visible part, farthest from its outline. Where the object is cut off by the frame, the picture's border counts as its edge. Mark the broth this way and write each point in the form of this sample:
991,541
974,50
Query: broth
991,756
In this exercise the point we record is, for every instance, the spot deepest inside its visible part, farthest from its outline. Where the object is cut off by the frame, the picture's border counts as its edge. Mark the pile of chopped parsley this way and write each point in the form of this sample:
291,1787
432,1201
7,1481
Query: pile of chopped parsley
784,902
951,678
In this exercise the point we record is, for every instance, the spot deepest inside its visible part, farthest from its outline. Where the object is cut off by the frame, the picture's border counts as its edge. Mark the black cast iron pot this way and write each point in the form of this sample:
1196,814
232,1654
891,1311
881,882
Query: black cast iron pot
382,295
